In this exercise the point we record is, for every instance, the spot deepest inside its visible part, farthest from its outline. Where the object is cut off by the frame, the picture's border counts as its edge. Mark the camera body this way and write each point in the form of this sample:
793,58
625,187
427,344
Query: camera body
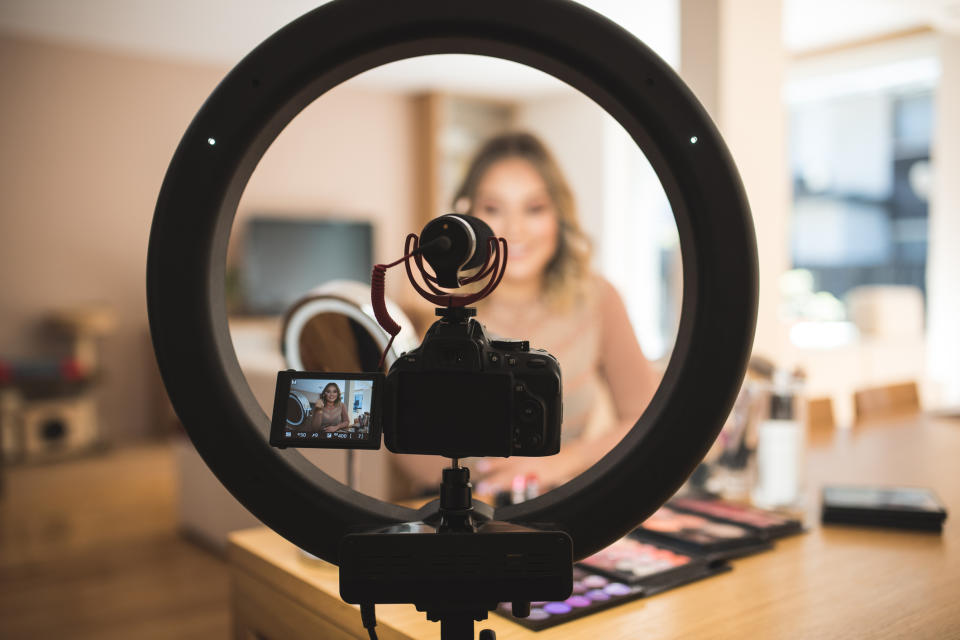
462,394
459,394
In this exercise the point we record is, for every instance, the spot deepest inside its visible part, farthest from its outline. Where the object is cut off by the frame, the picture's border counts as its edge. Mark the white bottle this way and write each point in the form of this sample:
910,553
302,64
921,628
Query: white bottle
781,445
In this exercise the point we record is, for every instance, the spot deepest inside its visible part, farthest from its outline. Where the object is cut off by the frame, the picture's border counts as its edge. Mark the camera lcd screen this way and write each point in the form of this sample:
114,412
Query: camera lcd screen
453,413
326,410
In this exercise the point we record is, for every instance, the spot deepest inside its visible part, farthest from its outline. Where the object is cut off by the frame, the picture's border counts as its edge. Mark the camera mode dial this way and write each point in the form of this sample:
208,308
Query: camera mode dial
511,345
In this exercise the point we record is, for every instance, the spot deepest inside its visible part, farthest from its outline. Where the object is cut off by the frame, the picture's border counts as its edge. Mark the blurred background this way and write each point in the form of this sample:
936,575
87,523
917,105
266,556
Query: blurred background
843,118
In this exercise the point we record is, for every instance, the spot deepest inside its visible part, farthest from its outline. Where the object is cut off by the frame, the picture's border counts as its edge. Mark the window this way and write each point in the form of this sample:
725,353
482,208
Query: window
860,190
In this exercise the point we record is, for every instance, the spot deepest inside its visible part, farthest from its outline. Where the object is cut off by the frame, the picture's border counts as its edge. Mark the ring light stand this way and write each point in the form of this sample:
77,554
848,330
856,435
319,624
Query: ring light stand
337,41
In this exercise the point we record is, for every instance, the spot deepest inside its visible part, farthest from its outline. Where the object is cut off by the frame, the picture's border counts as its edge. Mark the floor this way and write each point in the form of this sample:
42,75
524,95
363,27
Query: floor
90,549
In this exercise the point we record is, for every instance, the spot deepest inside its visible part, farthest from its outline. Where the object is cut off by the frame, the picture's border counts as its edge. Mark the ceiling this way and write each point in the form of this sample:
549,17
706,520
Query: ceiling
220,32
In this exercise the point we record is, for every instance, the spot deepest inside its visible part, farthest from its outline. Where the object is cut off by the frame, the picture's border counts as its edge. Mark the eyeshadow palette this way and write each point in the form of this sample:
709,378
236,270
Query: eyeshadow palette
767,524
695,533
635,562
592,592
626,570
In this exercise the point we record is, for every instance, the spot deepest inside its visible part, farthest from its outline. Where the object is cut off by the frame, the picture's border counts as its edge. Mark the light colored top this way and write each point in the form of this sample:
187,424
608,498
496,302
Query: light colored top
335,416
606,378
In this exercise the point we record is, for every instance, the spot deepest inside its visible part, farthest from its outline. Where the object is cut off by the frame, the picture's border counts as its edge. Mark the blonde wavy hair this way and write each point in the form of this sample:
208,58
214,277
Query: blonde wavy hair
568,271
322,400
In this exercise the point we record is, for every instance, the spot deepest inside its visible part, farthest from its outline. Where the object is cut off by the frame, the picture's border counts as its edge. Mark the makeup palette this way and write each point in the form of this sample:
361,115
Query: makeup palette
686,540
592,592
767,524
626,570
631,560
697,534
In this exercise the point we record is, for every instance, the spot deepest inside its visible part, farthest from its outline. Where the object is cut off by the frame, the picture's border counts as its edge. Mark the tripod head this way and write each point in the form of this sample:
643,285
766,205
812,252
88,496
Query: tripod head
456,563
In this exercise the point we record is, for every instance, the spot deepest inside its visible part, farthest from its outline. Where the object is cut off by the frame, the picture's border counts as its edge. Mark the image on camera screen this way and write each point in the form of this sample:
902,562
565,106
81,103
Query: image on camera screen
330,411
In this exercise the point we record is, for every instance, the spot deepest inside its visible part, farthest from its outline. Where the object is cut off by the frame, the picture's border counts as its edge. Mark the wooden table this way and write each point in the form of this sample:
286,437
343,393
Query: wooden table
832,582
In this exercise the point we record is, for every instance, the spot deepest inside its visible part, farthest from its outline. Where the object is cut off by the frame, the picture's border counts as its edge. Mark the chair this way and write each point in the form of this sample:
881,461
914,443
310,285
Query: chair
820,418
886,402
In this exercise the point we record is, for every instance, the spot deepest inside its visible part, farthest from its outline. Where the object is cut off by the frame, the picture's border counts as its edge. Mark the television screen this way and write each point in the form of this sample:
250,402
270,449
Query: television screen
283,258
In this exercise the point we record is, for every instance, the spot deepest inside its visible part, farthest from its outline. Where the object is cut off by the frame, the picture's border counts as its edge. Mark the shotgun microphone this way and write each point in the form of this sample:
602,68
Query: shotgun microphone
454,243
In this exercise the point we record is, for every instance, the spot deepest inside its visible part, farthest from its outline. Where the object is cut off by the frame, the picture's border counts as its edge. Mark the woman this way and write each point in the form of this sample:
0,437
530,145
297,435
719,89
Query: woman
329,413
550,296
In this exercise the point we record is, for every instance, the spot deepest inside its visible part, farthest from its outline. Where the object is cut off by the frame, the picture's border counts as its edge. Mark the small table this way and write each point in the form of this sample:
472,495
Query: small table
832,582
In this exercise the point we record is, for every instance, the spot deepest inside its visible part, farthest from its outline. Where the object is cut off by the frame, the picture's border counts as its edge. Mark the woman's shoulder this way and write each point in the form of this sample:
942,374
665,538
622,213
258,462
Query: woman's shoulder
596,299
596,295
602,291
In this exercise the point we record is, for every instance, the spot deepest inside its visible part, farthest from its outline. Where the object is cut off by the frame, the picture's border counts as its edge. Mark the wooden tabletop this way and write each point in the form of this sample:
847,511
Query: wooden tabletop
831,582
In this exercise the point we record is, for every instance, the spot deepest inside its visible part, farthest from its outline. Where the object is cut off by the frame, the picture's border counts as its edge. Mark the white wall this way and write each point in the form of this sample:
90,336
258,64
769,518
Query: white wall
943,256
87,137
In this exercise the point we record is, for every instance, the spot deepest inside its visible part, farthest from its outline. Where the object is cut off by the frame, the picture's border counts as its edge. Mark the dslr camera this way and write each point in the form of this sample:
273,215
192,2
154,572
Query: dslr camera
458,394
462,394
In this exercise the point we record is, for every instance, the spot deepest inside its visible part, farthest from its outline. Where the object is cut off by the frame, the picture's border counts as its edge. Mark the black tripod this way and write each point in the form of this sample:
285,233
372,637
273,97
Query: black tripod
457,517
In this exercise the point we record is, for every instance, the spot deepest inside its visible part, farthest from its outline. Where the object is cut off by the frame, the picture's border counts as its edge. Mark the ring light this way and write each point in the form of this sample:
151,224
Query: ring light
222,146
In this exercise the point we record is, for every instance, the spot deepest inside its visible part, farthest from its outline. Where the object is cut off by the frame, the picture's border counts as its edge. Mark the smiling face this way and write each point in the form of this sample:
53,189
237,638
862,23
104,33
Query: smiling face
513,199
331,394
514,184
